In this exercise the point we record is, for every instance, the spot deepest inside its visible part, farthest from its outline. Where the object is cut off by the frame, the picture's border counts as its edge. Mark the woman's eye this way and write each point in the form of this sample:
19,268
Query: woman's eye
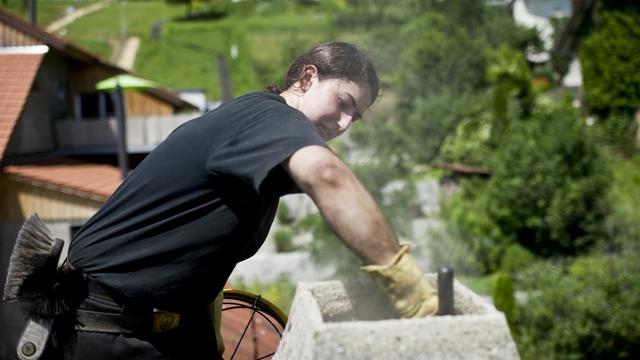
343,105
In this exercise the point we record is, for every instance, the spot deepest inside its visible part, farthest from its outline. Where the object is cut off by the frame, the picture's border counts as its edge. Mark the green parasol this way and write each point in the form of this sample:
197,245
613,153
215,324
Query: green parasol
125,81
116,85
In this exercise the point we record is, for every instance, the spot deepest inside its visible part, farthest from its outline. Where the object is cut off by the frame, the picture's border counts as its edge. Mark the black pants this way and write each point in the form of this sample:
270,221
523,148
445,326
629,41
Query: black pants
180,343
194,338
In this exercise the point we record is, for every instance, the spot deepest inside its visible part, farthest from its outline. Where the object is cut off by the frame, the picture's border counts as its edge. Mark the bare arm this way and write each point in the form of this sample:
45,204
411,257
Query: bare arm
344,203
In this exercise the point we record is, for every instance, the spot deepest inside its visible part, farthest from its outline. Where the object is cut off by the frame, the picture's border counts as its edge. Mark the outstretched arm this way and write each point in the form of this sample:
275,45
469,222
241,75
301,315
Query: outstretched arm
355,217
344,203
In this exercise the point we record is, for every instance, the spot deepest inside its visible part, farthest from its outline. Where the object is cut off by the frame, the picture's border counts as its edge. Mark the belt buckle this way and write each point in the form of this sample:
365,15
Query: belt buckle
165,321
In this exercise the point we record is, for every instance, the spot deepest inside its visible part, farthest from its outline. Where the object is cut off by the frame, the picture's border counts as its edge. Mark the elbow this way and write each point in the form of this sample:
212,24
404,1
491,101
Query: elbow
330,176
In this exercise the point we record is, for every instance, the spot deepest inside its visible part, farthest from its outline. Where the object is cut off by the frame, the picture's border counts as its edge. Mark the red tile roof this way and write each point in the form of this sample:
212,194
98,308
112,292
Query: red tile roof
96,181
17,72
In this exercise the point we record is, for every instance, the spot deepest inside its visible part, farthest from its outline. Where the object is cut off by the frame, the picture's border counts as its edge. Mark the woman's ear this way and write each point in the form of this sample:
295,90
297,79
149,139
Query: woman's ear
309,72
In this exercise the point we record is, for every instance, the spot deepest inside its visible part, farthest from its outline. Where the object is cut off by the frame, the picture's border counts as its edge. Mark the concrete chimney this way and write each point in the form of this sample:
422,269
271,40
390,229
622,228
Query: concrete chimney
333,320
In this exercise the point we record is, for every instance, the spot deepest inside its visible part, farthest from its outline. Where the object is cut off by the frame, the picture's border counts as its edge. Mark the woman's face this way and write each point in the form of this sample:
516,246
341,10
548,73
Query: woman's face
333,105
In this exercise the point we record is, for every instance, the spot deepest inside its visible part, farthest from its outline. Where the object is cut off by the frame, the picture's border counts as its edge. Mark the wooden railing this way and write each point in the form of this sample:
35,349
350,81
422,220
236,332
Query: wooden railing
142,132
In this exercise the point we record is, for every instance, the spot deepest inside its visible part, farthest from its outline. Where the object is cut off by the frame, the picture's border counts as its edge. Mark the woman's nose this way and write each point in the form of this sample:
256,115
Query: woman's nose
345,122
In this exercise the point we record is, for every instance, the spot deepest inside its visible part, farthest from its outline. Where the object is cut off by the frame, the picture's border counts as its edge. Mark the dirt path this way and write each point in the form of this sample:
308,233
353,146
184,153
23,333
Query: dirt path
124,54
69,18
127,54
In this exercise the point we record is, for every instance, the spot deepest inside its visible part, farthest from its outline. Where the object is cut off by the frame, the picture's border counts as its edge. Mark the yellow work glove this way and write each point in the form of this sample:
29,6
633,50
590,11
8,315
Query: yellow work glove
405,286
215,309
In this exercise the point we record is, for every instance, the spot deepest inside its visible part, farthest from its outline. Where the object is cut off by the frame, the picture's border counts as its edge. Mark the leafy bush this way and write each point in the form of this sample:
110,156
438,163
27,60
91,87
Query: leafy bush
547,191
283,238
280,292
503,296
511,76
467,219
610,63
516,258
548,186
284,214
587,309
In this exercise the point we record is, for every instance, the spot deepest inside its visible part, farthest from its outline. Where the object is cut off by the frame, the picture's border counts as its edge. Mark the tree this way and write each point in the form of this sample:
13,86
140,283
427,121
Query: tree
610,64
435,54
611,71
511,76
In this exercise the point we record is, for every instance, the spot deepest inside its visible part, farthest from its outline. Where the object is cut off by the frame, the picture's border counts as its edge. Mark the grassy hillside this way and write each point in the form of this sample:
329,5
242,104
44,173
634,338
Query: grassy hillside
46,10
265,33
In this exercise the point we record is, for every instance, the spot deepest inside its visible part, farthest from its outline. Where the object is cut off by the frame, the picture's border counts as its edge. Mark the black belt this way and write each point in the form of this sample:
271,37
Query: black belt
100,312
110,323
98,321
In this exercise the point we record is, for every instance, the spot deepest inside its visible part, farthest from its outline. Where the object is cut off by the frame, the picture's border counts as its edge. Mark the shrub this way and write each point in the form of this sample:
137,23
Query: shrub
284,214
469,223
503,296
516,258
283,238
280,291
547,192
586,309
548,188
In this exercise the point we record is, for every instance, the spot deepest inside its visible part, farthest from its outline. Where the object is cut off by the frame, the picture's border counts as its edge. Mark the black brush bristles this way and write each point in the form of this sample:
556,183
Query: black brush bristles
32,251
48,294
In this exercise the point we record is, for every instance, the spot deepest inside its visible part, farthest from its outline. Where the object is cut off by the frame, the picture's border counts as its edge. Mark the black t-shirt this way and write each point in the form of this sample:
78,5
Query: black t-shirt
202,201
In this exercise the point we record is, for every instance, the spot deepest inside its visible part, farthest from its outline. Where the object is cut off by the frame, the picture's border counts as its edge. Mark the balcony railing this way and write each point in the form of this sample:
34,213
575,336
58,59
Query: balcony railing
143,133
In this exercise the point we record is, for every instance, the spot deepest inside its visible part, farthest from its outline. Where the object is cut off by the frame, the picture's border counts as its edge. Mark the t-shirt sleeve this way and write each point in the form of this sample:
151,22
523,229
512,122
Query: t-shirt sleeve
264,142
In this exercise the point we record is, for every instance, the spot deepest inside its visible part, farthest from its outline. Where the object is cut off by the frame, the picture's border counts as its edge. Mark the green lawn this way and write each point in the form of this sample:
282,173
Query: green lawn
46,10
185,55
268,34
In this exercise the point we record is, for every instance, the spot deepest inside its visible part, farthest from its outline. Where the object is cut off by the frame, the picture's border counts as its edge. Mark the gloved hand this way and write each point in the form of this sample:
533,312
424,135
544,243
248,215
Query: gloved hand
215,309
405,286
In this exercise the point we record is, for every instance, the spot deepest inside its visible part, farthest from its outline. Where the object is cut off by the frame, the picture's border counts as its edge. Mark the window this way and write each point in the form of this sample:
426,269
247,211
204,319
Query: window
95,105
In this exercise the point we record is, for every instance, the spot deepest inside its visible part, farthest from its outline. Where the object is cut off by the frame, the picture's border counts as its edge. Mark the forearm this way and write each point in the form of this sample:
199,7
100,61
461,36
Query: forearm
355,217
349,210
357,220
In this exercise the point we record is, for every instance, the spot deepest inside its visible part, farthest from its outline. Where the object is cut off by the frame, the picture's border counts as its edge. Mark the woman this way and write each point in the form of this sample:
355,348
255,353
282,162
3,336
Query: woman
204,199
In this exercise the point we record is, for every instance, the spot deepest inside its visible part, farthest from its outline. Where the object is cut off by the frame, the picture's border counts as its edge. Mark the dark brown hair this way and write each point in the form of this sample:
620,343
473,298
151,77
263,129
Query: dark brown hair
335,60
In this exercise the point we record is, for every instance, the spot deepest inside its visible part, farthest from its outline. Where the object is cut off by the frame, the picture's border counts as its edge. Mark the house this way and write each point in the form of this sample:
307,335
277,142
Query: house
57,132
538,15
58,153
